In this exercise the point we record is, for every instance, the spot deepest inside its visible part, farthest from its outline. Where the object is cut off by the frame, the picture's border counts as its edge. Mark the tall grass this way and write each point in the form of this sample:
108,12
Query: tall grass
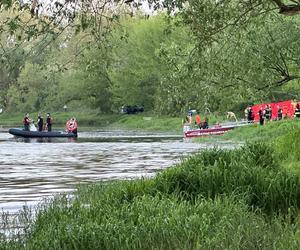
157,222
253,171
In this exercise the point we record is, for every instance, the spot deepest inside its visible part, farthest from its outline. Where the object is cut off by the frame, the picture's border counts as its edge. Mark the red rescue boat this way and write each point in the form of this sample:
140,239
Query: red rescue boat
218,129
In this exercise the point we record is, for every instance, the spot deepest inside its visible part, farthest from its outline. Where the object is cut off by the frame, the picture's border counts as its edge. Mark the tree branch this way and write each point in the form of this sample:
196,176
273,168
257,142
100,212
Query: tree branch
281,82
289,9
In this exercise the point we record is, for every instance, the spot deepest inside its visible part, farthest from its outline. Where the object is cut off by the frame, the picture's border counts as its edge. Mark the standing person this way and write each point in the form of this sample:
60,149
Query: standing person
297,110
49,122
250,115
26,122
246,113
279,114
268,113
186,123
261,116
40,122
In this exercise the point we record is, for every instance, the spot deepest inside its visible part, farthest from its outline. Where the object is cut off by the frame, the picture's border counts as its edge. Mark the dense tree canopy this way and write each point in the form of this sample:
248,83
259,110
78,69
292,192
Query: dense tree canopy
208,55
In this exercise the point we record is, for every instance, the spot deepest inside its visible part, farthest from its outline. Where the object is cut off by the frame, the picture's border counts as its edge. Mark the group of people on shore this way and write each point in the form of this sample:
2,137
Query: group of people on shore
265,115
71,125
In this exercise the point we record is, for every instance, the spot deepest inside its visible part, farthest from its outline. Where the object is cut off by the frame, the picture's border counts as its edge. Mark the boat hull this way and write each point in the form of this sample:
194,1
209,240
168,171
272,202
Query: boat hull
206,132
39,134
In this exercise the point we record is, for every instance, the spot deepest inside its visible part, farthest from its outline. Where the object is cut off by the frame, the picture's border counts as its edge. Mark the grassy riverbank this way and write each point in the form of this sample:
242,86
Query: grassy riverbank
246,198
255,132
142,122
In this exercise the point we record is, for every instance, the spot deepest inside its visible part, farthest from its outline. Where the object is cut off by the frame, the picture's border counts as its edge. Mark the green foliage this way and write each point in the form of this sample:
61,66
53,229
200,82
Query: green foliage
288,145
31,91
136,71
208,56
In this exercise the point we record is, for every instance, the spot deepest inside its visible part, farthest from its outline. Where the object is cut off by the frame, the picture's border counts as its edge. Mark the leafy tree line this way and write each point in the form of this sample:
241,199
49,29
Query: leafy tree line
208,55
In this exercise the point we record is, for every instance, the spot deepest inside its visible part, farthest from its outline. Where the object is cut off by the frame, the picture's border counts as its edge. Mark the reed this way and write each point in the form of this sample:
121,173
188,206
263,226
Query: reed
156,222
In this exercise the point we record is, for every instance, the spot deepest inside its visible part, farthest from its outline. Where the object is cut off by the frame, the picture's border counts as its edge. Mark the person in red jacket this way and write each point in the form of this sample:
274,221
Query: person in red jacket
26,122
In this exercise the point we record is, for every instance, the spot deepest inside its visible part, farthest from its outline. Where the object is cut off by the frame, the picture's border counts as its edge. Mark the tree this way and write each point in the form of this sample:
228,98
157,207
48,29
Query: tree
136,70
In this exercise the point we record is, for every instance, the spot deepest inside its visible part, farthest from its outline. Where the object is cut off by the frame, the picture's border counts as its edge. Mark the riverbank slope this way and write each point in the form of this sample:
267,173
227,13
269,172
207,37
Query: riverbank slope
93,120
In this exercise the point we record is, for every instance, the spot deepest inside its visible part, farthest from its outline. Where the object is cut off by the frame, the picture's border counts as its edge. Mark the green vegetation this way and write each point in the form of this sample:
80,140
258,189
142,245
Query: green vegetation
206,57
238,199
256,132
209,55
139,122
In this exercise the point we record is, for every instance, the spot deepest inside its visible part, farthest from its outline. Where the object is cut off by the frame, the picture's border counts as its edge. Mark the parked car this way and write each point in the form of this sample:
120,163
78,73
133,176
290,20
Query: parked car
127,109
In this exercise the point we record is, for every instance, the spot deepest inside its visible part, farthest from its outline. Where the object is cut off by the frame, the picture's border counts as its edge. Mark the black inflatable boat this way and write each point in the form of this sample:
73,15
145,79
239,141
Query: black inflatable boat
34,134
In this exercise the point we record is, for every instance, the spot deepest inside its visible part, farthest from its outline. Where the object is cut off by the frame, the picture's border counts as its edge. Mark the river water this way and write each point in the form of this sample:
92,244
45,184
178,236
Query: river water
33,169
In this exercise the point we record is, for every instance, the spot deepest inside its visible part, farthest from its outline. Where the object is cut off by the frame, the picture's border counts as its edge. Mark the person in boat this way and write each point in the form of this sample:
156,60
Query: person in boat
40,122
261,116
205,123
26,122
49,122
187,123
268,113
198,120
279,114
71,126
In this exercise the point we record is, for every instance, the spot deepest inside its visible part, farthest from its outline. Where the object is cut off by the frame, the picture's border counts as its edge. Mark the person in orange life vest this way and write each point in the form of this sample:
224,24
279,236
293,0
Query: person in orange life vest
26,122
198,120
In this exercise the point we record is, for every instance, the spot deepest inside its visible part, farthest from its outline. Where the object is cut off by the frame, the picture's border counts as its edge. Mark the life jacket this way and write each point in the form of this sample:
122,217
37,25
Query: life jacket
71,126
26,121
198,119
49,120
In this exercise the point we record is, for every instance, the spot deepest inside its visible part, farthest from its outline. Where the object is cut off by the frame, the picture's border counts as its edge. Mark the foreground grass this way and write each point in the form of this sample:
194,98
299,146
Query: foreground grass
217,199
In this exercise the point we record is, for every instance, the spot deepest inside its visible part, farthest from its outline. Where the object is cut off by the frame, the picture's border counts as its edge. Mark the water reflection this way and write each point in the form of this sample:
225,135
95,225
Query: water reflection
45,140
41,167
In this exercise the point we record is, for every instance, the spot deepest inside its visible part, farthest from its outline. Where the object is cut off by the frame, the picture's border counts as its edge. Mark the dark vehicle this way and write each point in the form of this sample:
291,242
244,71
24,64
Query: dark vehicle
126,109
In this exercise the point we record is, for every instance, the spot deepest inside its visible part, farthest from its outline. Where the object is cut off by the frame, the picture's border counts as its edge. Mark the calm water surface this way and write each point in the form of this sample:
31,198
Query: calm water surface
34,169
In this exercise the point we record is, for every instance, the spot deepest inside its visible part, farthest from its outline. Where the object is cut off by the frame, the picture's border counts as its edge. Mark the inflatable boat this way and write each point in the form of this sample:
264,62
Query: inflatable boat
218,129
205,132
34,134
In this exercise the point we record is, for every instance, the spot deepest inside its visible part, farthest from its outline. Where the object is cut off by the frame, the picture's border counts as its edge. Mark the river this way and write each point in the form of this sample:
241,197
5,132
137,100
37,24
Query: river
33,169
